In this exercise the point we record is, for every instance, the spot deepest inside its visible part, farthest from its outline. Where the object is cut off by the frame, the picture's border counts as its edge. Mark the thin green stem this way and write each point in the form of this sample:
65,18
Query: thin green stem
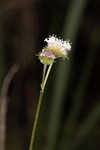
36,121
46,77
44,71
44,80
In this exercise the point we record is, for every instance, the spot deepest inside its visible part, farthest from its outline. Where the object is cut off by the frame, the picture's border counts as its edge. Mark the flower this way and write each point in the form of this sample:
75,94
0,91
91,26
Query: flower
47,54
57,46
46,57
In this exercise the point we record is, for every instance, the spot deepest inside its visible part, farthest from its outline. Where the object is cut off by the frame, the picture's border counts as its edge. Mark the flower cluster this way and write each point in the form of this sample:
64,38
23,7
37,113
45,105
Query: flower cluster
55,48
46,57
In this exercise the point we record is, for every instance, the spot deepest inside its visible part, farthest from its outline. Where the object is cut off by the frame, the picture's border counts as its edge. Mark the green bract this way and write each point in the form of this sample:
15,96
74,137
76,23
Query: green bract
46,60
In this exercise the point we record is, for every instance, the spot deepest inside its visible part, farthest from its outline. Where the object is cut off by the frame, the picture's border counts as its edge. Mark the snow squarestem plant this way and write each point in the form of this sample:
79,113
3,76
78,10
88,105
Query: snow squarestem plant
55,48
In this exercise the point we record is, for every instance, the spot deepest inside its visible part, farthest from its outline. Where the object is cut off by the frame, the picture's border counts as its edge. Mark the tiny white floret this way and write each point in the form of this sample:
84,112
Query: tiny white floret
57,46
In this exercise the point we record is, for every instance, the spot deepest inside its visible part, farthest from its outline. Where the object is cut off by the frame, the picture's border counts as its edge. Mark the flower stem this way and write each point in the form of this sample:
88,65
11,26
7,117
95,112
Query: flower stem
44,80
46,77
36,121
44,71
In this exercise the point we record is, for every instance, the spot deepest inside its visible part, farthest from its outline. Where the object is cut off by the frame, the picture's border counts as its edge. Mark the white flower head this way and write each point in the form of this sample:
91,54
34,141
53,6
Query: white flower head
57,46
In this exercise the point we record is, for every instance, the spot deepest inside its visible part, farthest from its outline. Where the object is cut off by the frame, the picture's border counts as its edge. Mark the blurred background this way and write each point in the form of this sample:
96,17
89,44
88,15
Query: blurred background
70,112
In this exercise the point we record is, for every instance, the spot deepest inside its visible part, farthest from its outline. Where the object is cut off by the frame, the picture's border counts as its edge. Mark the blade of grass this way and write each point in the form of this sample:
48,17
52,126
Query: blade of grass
78,96
70,31
2,102
86,127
